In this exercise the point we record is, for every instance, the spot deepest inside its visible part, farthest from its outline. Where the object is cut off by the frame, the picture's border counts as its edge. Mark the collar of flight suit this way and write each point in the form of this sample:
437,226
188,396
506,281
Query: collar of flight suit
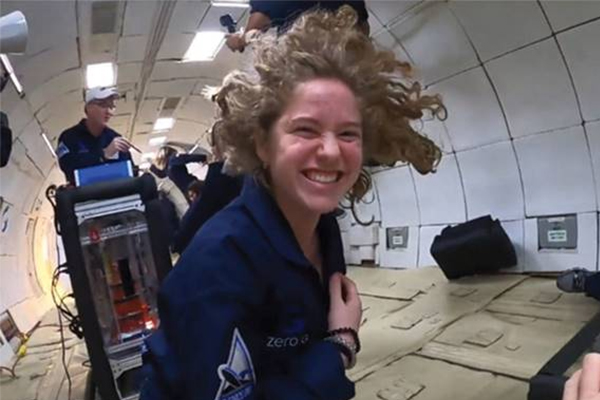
267,215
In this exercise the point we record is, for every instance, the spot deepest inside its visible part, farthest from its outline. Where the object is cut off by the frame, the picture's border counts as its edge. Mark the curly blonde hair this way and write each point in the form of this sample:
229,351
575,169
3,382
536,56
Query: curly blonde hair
328,45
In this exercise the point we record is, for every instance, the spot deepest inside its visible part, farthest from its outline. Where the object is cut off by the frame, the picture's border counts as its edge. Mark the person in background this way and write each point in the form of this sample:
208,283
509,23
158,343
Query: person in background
585,383
174,204
218,191
175,166
91,142
194,191
258,306
265,14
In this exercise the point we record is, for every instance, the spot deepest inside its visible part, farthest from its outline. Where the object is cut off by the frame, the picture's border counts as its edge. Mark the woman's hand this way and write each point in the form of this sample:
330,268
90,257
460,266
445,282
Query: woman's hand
345,309
585,383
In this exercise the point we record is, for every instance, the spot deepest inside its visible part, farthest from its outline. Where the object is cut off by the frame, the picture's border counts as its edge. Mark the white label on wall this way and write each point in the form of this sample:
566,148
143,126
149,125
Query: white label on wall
557,236
398,240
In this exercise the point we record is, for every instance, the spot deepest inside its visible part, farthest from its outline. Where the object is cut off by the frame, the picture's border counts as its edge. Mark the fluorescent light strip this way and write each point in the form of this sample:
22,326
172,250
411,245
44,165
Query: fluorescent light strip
100,75
205,46
11,73
236,4
163,124
47,141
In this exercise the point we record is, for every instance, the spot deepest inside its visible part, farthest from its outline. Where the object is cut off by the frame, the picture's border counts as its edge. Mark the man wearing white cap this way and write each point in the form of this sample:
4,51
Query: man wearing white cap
91,141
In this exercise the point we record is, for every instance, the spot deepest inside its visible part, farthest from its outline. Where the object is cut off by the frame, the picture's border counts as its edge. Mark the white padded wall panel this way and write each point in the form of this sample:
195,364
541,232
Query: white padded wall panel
131,48
19,116
399,258
63,83
516,232
436,42
47,64
171,88
474,115
584,256
20,180
486,24
593,134
175,45
49,22
566,13
491,181
441,197
534,88
426,236
186,16
128,73
197,108
557,172
388,11
581,48
385,40
437,131
138,17
37,150
165,70
148,111
397,197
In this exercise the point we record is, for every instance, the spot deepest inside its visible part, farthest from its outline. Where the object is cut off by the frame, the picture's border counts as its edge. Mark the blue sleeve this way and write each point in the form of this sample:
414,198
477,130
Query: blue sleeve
70,159
210,309
182,159
275,10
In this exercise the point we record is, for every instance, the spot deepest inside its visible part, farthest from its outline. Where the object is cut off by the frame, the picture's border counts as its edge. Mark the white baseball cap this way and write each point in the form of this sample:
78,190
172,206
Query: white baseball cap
100,93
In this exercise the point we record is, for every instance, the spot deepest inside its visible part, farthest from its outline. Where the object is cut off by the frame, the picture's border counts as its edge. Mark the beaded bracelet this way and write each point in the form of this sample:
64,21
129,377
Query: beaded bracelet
345,348
349,330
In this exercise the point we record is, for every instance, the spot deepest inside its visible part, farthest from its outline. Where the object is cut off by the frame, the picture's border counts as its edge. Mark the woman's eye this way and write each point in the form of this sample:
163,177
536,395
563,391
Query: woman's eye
306,131
350,135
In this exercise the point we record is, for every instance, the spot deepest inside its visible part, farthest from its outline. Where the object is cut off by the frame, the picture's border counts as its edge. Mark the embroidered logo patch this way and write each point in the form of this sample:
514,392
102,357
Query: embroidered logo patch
237,376
62,150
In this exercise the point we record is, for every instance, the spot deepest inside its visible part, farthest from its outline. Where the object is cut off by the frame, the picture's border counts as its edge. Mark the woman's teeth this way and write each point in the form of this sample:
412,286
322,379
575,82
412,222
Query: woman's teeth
322,177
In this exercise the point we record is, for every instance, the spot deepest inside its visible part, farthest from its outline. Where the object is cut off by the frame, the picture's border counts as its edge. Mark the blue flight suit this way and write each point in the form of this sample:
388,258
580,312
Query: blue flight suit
243,313
283,13
219,190
78,148
177,170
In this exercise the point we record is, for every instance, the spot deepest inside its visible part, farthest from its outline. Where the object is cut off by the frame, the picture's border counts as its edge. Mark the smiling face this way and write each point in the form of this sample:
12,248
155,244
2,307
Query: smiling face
314,150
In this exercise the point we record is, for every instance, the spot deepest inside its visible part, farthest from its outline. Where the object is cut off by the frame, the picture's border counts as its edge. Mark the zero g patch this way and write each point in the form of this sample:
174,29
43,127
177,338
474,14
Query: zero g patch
237,375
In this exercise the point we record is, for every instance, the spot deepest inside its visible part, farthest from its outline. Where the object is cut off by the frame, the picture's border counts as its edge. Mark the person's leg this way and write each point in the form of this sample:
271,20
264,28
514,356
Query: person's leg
579,280
592,285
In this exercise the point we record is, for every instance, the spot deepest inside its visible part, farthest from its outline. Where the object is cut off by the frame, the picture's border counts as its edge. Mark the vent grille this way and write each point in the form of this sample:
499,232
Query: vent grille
169,106
104,17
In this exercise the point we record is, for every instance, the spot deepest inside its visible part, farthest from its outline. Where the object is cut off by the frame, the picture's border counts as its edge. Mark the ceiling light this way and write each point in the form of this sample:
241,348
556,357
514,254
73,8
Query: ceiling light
100,75
230,3
7,66
48,144
163,124
205,46
157,141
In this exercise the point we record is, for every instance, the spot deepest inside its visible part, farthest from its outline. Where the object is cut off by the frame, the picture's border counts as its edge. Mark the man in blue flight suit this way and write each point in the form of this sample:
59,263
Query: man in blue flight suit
249,324
91,142
279,14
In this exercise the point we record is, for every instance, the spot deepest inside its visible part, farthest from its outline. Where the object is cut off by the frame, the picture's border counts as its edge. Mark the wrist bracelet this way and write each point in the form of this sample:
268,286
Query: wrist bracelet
346,348
349,330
